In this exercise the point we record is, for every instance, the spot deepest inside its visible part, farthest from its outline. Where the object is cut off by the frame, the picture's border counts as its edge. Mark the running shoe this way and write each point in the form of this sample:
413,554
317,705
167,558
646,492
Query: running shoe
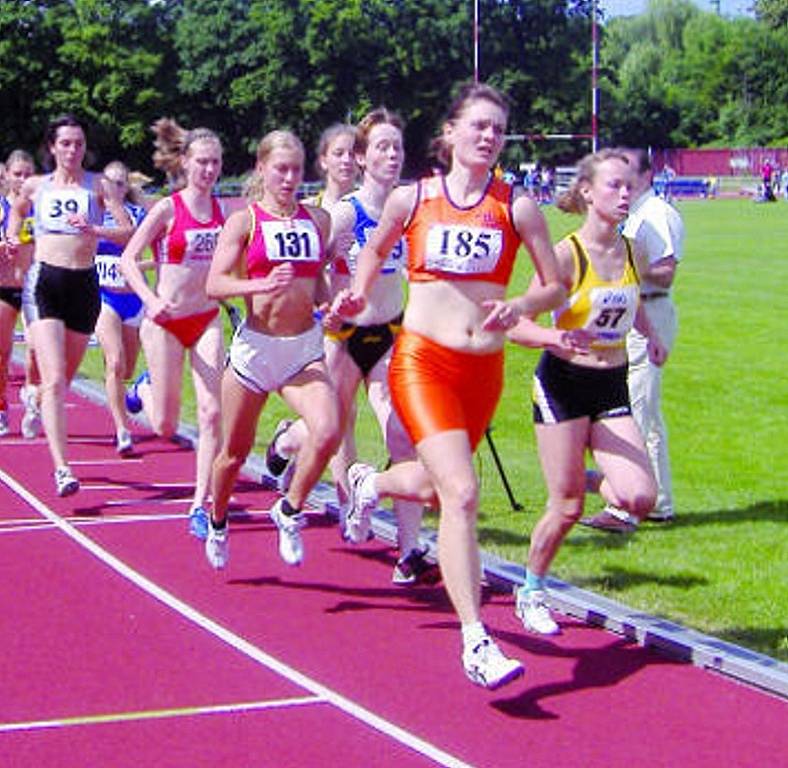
612,520
661,516
362,503
124,445
198,522
31,419
133,399
276,464
486,666
217,545
531,608
4,428
414,568
65,482
291,545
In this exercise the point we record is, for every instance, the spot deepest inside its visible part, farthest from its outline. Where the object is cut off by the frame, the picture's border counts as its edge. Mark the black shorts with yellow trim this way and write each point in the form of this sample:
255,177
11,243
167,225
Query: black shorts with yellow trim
367,344
563,391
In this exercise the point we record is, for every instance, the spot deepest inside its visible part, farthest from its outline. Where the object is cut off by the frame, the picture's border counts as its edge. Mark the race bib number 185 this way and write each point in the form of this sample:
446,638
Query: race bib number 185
463,250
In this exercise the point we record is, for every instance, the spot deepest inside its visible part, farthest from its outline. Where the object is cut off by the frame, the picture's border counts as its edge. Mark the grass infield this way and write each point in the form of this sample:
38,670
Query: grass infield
722,566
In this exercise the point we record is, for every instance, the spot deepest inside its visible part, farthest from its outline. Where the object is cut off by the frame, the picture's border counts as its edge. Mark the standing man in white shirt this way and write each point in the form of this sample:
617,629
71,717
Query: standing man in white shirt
656,226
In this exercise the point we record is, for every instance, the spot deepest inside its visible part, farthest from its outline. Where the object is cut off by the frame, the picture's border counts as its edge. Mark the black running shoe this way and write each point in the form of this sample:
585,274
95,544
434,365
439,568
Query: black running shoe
414,568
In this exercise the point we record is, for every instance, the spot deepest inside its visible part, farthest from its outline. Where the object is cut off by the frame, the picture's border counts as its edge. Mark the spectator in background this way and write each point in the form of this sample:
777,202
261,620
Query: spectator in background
667,175
657,229
766,173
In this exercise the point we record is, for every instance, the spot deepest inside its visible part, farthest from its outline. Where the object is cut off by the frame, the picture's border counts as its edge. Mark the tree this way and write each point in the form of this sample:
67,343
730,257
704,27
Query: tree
772,12
27,44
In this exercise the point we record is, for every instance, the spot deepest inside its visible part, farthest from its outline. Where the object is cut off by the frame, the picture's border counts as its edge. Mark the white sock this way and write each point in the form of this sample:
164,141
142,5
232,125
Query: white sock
473,634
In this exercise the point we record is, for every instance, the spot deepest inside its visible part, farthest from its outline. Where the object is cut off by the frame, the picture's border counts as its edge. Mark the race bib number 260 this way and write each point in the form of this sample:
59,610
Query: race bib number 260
201,243
463,250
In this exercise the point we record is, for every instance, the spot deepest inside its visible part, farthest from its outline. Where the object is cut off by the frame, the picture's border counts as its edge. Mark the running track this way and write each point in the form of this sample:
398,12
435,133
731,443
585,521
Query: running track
122,647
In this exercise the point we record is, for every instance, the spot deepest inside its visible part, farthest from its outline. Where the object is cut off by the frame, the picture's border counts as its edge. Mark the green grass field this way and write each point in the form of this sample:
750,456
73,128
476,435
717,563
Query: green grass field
722,566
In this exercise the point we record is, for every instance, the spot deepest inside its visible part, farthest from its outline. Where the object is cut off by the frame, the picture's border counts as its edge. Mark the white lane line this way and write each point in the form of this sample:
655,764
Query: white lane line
143,502
37,524
159,714
235,641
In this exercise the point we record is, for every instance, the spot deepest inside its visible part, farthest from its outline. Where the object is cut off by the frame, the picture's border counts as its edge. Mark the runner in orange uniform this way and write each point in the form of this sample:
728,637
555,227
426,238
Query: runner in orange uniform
463,231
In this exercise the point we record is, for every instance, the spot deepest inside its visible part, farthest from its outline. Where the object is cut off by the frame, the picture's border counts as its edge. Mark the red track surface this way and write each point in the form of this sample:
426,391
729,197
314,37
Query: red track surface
122,647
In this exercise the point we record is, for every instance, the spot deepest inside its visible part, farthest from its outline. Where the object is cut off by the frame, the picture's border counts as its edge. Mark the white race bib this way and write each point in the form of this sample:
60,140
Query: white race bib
200,244
108,270
612,313
463,250
291,240
58,205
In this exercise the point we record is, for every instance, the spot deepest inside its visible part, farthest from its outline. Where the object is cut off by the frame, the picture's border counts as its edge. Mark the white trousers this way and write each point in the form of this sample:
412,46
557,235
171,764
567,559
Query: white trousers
645,392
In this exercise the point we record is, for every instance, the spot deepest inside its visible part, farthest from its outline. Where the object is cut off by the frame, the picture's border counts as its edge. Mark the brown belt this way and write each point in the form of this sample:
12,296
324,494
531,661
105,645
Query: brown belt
655,295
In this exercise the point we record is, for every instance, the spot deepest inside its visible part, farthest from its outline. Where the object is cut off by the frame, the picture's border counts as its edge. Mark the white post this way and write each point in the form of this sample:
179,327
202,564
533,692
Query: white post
594,79
475,41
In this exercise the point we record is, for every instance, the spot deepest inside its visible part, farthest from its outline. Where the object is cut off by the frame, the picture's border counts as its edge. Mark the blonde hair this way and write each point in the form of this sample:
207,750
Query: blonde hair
134,194
279,139
19,156
467,94
172,143
572,201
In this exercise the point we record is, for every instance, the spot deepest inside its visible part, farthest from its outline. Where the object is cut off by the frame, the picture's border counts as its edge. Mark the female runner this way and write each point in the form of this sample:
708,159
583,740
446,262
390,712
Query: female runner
272,253
463,231
580,393
180,317
60,298
336,163
118,324
18,168
360,351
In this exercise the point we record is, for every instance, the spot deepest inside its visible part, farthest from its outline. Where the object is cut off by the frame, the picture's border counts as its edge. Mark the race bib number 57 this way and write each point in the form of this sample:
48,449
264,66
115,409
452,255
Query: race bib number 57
463,250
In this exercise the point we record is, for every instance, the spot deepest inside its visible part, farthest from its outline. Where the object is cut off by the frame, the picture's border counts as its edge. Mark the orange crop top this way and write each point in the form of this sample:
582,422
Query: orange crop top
446,242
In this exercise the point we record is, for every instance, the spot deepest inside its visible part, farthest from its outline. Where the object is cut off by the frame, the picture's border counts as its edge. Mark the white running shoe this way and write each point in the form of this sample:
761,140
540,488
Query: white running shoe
362,503
612,520
65,482
217,546
4,428
124,445
531,608
486,666
291,545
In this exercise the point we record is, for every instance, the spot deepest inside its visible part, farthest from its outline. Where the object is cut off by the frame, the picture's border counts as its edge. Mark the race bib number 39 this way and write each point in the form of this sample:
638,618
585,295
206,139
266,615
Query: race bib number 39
58,205
200,244
293,240
463,250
